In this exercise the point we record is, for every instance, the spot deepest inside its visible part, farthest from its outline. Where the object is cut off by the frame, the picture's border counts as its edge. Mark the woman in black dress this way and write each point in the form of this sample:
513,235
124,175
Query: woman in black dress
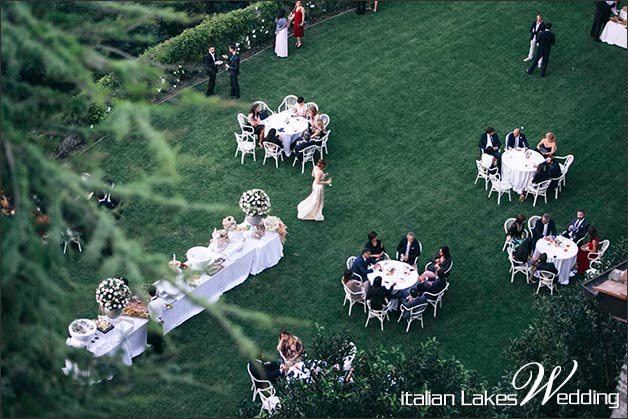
442,260
378,295
517,231
376,247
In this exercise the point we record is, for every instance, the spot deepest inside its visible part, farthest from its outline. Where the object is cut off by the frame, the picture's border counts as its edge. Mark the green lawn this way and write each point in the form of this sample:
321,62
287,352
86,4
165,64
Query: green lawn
408,91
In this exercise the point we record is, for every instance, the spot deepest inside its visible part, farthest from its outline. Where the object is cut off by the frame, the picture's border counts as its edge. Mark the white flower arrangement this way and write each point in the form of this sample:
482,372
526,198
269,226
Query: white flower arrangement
255,202
272,223
113,294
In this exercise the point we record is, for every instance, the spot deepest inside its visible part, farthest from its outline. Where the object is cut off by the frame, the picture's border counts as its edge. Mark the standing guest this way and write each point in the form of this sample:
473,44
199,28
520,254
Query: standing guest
409,249
578,226
300,109
537,26
600,18
516,139
490,144
375,246
298,18
361,265
373,5
442,260
547,145
544,42
255,121
211,68
359,288
543,265
156,306
360,7
234,70
378,295
517,231
290,349
544,227
281,34
592,246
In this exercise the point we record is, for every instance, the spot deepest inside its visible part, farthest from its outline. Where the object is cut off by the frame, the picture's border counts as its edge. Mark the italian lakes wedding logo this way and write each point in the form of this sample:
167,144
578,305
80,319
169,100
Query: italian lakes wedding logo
534,384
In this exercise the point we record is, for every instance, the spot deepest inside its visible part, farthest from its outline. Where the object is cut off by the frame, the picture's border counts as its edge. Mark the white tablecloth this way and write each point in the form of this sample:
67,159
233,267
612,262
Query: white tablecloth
288,127
614,33
519,166
248,258
404,275
562,255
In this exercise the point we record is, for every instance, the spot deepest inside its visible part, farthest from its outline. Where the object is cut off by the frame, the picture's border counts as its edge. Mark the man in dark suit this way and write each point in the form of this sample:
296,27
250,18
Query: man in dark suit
433,286
211,68
516,139
543,265
489,144
409,249
234,70
578,226
361,265
537,26
413,300
544,41
543,228
602,14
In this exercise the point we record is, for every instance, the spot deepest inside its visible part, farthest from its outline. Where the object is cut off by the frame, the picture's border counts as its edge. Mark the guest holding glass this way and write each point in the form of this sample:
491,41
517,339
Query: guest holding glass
547,145
375,246
281,34
255,121
442,260
409,249
298,18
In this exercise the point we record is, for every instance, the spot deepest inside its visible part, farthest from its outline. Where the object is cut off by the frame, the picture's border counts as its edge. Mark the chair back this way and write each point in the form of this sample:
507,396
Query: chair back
288,103
569,158
263,106
350,261
245,138
546,278
271,149
532,222
325,118
380,314
308,153
508,223
604,245
308,105
352,295
482,171
436,297
539,188
414,312
259,385
244,123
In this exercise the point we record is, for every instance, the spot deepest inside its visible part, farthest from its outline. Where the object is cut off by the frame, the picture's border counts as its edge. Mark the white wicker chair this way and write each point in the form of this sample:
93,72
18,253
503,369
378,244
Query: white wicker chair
482,174
244,124
596,256
517,267
376,314
71,236
451,265
546,279
436,300
500,187
353,298
309,104
323,146
507,224
537,190
532,222
559,181
273,151
564,167
288,103
325,118
415,313
350,261
264,106
307,154
266,392
245,145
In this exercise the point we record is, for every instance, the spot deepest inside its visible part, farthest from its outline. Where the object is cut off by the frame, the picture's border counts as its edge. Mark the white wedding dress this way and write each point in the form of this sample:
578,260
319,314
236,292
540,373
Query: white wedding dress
311,208
281,43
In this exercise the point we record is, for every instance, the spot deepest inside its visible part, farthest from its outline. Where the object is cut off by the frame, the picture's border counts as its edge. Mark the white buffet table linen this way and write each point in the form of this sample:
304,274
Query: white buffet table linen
562,252
615,34
241,260
404,275
519,166
288,127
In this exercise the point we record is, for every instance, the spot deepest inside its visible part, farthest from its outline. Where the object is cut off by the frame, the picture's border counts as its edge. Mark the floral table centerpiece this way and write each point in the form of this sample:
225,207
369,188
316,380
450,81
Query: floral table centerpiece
275,224
113,296
255,203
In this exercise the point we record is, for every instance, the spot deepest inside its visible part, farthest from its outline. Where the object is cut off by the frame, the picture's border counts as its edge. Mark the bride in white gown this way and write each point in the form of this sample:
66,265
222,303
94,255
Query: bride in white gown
311,208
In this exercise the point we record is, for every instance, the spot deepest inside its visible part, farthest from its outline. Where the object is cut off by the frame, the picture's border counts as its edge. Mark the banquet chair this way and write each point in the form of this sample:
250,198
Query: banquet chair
564,167
376,314
244,124
415,313
546,279
245,145
499,186
437,299
507,224
273,151
594,267
386,257
266,392
288,103
517,267
559,180
451,265
323,146
537,190
350,261
309,104
532,222
325,119
354,298
596,256
482,174
307,154
264,106
71,236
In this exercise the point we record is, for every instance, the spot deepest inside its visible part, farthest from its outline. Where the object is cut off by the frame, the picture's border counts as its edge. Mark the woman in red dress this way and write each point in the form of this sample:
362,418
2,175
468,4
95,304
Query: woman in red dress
583,252
298,16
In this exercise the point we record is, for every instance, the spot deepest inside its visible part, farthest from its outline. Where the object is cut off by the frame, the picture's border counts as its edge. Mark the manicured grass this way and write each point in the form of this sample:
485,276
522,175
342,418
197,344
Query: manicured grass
408,90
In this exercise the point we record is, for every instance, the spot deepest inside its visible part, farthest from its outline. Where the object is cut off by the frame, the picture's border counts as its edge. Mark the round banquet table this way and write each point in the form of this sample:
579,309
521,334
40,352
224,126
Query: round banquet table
614,34
288,127
519,166
562,252
404,275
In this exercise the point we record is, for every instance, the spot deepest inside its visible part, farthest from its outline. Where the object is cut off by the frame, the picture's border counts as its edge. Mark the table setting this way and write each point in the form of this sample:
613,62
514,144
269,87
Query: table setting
519,167
614,32
561,251
401,274
288,126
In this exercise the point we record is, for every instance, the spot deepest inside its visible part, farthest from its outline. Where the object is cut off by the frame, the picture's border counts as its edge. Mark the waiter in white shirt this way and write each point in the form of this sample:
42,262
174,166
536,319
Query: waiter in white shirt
156,306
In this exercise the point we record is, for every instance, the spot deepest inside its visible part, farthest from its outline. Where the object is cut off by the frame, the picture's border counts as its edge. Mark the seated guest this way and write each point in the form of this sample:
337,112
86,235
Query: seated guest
489,144
516,139
434,286
547,170
524,251
543,265
593,245
578,226
361,265
544,227
271,137
378,295
312,114
517,231
442,260
375,246
413,300
302,143
269,371
300,109
354,285
255,122
547,145
317,130
409,249
290,349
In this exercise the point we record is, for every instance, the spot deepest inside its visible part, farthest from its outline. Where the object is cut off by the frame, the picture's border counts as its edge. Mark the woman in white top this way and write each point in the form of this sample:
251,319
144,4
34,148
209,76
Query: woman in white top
300,109
281,34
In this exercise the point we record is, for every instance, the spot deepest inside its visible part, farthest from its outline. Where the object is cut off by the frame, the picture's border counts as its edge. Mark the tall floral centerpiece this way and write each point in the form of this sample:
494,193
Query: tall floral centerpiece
255,204
112,295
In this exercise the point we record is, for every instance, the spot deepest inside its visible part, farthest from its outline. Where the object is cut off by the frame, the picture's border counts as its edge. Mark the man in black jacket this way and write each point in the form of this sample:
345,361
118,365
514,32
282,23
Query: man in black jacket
537,27
578,226
211,68
409,249
543,228
602,14
544,42
234,70
543,265
516,139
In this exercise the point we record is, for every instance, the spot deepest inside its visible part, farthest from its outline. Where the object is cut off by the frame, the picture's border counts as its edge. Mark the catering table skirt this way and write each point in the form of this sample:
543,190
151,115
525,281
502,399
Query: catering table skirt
615,34
251,259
